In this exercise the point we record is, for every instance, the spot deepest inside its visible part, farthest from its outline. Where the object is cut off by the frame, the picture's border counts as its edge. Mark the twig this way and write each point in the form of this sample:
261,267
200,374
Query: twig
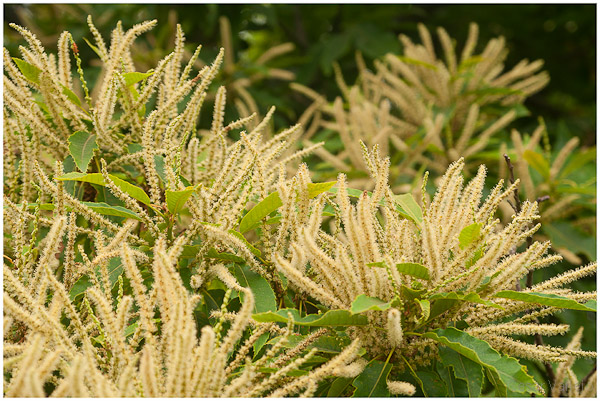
587,377
517,205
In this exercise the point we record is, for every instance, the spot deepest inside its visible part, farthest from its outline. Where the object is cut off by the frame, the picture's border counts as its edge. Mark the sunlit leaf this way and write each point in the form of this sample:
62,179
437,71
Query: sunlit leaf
504,372
330,318
544,299
264,297
29,71
81,146
469,235
96,178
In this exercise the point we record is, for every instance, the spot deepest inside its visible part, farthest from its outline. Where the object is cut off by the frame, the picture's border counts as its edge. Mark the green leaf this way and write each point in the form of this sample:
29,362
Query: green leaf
464,368
469,297
455,387
317,188
159,165
330,318
94,48
230,257
485,283
446,300
409,293
328,344
176,199
564,235
363,303
110,210
372,382
425,306
377,264
273,202
544,299
98,207
135,77
29,71
262,209
258,344
264,297
431,384
503,371
476,256
538,162
252,249
410,207
468,235
414,270
339,386
81,147
115,269
71,95
96,178
579,160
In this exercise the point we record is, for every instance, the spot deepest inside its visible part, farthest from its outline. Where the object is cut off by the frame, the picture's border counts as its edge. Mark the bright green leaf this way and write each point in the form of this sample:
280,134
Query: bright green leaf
98,207
264,297
363,303
425,306
96,178
273,202
71,95
316,188
414,270
29,71
176,199
410,207
262,209
469,297
503,371
81,147
469,235
544,299
110,210
135,77
330,318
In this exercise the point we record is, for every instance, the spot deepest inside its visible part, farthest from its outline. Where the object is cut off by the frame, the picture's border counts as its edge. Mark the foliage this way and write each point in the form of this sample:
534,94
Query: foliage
149,252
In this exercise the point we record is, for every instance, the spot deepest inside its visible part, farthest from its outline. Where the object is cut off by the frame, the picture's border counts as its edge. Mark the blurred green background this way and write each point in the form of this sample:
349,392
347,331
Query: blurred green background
562,35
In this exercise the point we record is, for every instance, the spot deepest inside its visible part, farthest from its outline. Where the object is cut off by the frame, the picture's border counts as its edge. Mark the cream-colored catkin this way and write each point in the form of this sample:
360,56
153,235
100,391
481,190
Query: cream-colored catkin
394,327
401,388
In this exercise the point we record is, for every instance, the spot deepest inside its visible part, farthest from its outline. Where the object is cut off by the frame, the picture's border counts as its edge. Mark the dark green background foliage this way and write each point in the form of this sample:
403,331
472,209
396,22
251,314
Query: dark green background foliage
562,35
